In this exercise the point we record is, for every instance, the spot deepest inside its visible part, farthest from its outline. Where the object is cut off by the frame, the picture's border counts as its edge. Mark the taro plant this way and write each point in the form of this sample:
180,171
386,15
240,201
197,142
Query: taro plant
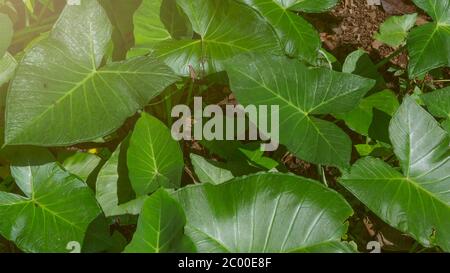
90,162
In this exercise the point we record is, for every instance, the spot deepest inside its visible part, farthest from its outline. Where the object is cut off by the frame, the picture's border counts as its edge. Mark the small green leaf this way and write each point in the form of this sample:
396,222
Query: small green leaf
154,158
148,27
99,238
81,164
209,171
361,118
160,227
110,183
121,16
394,30
359,63
438,102
159,20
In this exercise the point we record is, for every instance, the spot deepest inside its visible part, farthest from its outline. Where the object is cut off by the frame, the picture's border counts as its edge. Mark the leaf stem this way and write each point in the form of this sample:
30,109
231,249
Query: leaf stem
190,92
43,11
441,80
31,31
168,104
322,175
390,57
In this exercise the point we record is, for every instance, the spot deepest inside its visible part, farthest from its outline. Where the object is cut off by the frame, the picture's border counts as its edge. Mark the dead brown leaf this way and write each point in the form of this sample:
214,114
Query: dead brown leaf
397,7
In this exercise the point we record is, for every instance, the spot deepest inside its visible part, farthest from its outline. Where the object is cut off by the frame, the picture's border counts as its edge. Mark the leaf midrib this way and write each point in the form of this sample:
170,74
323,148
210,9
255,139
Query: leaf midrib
408,181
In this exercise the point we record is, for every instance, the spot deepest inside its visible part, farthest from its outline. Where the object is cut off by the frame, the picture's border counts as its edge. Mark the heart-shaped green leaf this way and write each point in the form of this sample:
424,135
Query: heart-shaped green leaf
265,213
394,30
429,45
160,227
59,83
417,201
154,158
225,28
56,209
301,93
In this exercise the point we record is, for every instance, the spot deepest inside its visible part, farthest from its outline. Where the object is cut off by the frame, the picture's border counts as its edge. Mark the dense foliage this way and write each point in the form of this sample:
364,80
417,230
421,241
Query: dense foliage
88,158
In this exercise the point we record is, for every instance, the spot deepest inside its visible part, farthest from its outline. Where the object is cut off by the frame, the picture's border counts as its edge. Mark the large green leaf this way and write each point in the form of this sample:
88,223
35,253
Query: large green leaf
59,82
154,158
429,45
56,209
6,33
265,213
160,227
298,36
225,28
394,30
301,93
417,201
109,185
